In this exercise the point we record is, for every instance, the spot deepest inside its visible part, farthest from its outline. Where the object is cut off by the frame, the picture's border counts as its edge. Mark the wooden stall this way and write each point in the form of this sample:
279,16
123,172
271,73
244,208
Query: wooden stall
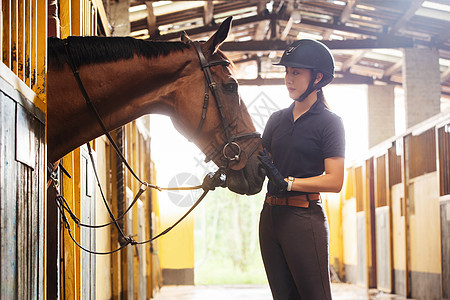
22,149
132,273
402,213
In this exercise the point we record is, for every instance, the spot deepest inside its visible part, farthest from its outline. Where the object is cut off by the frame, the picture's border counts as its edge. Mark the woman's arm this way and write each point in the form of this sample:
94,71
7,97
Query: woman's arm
330,181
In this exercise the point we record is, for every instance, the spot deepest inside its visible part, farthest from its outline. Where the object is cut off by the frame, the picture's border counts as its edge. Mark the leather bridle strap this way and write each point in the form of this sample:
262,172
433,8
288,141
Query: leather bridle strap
210,85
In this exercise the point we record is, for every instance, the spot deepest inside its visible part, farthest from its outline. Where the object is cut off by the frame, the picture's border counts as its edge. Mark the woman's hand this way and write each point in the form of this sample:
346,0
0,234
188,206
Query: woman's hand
271,171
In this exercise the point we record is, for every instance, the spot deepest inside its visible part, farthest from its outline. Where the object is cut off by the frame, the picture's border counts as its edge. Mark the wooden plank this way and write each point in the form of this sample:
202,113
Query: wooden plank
25,138
41,220
8,254
445,247
116,257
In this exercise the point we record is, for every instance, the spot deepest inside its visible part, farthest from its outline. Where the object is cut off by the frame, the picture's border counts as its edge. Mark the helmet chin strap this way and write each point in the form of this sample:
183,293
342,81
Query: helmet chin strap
311,87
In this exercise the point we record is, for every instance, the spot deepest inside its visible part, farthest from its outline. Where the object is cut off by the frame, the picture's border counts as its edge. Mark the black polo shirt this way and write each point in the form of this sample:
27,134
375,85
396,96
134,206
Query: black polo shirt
299,148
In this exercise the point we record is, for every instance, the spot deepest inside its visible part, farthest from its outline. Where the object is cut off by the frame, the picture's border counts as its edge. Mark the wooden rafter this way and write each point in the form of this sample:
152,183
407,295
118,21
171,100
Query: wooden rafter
353,60
151,20
415,5
208,15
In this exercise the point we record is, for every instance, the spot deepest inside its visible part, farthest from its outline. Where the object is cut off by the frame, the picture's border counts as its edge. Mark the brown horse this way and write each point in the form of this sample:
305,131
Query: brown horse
127,78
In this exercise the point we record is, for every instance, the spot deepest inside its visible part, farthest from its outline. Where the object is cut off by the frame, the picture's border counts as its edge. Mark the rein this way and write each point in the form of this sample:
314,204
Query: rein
235,162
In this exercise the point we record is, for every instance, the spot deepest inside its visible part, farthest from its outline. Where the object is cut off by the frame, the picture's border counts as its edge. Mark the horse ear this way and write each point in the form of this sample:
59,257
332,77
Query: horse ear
185,38
219,37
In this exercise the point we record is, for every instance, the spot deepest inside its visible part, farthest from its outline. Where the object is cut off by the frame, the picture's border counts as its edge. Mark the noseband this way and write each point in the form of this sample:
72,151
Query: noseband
231,150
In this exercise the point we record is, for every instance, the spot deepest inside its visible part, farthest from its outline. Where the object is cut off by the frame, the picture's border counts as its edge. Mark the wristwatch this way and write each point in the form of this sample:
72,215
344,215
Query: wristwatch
290,182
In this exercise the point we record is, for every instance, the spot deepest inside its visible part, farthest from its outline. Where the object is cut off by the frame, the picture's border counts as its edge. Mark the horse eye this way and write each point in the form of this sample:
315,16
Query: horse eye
230,87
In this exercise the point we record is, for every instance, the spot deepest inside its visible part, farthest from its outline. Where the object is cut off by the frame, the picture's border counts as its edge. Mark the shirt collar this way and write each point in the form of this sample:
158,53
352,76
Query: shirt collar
316,108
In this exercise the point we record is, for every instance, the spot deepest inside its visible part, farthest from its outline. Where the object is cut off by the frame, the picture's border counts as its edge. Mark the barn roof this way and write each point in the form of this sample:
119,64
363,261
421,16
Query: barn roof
366,36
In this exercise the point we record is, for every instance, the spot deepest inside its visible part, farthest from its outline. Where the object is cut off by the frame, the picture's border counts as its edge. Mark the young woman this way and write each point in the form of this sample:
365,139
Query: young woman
304,155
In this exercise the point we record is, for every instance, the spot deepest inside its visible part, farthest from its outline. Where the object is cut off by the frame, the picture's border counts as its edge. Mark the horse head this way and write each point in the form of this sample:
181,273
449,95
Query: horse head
222,128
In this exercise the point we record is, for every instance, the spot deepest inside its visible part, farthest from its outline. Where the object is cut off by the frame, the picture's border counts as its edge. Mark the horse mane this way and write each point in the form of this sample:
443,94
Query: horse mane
93,49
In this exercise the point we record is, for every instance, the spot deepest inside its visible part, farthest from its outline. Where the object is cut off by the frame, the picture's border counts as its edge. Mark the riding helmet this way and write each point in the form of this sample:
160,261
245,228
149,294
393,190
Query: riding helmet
310,54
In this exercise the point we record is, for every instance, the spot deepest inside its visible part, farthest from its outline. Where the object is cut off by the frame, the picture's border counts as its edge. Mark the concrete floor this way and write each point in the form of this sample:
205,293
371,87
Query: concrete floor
341,291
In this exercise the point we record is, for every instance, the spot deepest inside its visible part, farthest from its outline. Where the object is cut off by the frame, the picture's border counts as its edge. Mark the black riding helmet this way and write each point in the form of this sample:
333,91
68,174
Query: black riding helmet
310,54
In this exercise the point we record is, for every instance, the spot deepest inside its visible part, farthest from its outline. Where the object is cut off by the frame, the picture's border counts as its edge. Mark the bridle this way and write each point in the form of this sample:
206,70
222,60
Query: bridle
236,161
231,151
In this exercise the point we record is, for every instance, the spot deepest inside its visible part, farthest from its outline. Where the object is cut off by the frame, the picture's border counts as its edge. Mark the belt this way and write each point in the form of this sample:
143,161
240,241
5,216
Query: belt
298,201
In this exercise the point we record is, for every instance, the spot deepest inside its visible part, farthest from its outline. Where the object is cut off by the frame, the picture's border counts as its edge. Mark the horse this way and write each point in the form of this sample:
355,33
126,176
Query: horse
125,78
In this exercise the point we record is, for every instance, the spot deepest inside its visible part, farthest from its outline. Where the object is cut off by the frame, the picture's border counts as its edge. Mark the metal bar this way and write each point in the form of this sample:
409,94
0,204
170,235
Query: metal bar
20,39
14,33
76,17
27,43
41,83
65,18
1,29
33,42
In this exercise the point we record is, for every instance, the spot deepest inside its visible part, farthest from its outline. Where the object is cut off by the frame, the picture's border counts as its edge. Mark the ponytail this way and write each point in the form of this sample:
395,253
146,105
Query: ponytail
321,98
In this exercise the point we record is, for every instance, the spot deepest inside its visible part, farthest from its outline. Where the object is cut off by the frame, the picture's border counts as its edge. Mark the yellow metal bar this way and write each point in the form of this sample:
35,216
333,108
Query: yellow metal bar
14,33
70,255
41,72
6,32
1,28
77,205
65,18
83,17
33,55
76,17
20,39
27,42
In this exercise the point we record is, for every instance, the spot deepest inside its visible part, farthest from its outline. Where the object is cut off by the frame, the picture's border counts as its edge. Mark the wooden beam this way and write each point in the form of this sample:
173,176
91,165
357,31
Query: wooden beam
353,60
348,10
341,78
151,20
280,45
415,5
393,69
261,28
208,13
445,75
286,30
